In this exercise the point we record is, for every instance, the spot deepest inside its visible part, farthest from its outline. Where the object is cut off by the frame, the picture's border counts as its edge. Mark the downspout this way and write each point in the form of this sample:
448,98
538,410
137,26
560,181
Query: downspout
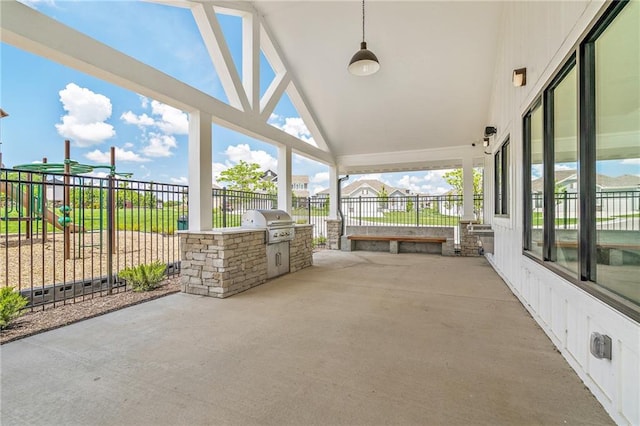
343,226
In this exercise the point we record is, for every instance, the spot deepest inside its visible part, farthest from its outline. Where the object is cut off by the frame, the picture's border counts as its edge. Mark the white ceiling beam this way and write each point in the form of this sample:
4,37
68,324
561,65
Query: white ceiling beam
413,160
300,102
273,94
218,49
34,32
251,59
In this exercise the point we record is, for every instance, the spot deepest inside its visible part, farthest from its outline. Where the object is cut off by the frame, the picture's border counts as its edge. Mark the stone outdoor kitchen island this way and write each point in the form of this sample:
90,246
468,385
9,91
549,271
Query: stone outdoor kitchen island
226,261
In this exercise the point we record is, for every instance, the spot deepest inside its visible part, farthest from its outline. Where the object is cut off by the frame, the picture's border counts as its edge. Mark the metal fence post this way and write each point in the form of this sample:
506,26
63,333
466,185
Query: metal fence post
224,207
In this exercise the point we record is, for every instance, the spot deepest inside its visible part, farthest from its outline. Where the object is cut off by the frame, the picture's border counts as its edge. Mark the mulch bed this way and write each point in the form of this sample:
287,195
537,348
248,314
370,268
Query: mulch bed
54,317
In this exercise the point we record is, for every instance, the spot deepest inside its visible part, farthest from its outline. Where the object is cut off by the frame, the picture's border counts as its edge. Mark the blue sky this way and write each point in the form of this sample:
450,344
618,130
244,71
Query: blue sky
48,102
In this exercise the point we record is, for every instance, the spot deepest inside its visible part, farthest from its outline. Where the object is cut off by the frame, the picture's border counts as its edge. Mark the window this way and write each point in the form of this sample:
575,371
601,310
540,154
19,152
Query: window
501,182
562,99
615,61
534,181
582,164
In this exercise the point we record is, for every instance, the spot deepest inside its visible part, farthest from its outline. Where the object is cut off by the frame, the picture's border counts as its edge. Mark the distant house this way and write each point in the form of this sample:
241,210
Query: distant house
356,198
615,195
299,183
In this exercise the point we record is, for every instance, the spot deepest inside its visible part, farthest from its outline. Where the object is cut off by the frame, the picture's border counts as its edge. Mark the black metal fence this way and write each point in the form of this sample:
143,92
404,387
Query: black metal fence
64,238
415,210
615,210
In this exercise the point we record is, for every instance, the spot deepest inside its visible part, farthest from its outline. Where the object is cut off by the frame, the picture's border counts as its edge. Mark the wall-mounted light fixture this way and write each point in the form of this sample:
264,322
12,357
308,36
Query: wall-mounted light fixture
519,77
364,62
485,144
490,131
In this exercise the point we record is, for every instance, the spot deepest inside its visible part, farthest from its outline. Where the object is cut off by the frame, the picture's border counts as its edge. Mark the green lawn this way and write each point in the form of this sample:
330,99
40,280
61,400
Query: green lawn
146,220
425,217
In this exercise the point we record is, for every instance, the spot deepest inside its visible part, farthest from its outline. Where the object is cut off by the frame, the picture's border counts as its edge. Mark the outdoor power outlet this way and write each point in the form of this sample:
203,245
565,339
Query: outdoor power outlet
600,346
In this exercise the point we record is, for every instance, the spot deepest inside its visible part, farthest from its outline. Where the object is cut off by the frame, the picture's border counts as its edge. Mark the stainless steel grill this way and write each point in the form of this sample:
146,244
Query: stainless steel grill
278,224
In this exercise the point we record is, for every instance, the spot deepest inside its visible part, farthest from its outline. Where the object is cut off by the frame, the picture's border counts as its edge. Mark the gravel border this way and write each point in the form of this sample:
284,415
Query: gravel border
54,317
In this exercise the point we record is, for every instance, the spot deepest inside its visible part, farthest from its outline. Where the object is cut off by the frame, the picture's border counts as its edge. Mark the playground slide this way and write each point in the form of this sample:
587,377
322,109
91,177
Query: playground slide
50,216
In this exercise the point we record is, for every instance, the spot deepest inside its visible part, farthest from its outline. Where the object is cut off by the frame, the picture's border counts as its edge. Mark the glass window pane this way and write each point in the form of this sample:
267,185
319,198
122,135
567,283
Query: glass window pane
617,80
565,145
498,181
505,178
537,183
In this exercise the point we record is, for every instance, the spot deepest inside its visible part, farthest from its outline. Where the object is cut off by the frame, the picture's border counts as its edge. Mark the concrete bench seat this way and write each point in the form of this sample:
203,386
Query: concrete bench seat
395,240
408,239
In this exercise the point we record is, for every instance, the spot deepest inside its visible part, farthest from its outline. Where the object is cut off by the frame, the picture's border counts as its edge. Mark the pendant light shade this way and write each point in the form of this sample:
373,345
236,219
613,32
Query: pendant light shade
364,62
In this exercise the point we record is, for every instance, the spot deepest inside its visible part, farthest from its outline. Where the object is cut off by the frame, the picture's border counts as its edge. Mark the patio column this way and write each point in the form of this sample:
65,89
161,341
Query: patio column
200,141
284,178
333,192
467,188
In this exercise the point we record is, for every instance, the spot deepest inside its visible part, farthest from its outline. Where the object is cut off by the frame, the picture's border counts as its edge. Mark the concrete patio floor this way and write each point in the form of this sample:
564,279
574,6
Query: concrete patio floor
359,339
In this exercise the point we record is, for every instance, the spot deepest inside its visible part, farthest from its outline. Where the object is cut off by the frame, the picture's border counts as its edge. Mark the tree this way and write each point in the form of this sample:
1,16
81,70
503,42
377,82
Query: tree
454,178
246,177
384,196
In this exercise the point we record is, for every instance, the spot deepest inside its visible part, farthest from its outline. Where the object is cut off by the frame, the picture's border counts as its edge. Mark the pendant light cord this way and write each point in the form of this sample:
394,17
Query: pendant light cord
363,20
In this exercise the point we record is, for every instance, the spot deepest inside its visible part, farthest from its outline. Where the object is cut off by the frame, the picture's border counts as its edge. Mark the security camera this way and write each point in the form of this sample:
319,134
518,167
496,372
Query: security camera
490,131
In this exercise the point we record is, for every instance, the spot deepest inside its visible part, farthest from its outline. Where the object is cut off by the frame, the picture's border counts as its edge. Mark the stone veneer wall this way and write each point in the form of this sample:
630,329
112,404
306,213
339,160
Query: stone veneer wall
334,226
301,248
222,263
468,242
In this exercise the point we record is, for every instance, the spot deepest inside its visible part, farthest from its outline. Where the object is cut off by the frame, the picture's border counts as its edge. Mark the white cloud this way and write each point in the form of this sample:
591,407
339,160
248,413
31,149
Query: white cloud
121,155
139,120
216,169
95,174
235,153
292,125
172,120
86,112
434,175
411,183
182,180
565,166
317,188
634,161
159,145
167,119
35,3
320,177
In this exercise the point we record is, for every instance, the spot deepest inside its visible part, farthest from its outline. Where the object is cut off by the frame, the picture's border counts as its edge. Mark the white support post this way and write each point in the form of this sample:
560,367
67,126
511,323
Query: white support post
251,59
333,193
467,188
284,178
200,149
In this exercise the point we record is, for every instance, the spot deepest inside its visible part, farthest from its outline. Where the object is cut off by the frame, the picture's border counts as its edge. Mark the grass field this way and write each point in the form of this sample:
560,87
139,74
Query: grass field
424,217
163,221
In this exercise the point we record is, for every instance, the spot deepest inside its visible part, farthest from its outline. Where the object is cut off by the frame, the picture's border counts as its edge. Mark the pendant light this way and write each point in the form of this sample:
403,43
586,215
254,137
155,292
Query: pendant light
364,62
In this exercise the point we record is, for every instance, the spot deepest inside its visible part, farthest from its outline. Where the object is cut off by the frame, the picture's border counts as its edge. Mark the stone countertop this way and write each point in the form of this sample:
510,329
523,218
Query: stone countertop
224,231
234,230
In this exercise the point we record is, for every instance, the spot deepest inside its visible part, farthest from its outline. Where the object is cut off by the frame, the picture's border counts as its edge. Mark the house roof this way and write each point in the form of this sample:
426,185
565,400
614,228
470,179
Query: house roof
603,182
374,184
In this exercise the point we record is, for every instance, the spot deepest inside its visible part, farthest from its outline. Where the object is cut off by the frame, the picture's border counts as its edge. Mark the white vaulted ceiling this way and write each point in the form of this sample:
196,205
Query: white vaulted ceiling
422,110
433,89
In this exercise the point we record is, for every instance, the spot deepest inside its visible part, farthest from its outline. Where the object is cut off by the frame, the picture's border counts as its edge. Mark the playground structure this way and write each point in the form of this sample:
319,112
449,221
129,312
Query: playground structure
30,200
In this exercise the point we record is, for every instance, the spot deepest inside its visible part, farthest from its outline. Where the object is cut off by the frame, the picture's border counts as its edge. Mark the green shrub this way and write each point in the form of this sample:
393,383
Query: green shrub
319,241
11,304
144,277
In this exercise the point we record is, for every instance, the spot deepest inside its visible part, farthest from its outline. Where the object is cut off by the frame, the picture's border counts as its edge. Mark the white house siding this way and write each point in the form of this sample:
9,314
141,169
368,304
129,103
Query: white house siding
540,36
